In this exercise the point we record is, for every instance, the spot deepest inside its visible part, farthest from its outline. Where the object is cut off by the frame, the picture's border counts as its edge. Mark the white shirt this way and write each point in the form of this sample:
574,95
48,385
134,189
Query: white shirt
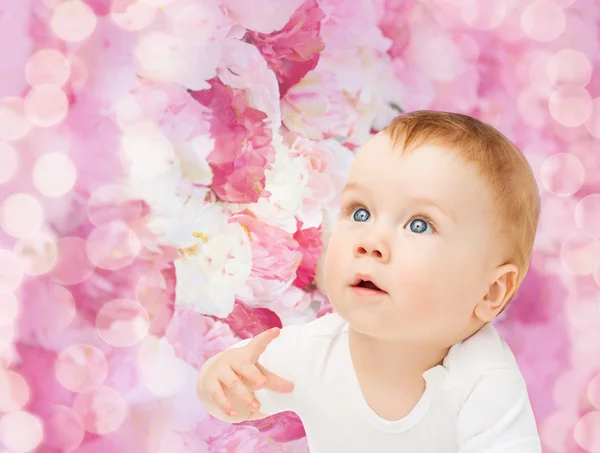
476,401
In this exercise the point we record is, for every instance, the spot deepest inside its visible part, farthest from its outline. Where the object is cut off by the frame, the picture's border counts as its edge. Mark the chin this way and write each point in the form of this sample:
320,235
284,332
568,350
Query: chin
365,323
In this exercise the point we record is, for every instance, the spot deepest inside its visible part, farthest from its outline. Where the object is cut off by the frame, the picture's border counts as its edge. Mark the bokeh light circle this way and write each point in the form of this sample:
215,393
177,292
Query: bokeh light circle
565,386
543,20
112,246
128,112
11,271
47,66
8,162
587,214
593,123
102,411
38,254
73,21
81,368
166,57
9,308
21,215
193,21
64,429
570,106
122,323
587,431
7,356
54,174
133,15
580,253
21,431
569,67
14,391
14,125
150,291
556,429
483,15
111,202
73,265
562,174
59,311
593,391
46,105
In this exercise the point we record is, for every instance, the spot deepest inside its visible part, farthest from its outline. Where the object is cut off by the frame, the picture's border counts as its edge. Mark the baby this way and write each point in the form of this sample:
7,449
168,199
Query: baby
434,237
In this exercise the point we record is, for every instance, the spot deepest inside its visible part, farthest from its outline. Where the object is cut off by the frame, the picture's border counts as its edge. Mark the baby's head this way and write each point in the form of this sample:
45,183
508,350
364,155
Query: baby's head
440,211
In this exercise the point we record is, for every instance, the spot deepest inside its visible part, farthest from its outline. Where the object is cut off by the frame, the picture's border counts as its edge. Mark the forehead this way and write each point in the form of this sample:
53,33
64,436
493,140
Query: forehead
428,171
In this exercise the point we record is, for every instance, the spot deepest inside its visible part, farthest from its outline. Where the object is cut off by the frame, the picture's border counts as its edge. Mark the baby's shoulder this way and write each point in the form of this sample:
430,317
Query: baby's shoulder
482,353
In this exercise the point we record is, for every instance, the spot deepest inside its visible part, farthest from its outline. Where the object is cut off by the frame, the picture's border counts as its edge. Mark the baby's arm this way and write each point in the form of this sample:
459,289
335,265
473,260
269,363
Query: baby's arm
496,416
227,381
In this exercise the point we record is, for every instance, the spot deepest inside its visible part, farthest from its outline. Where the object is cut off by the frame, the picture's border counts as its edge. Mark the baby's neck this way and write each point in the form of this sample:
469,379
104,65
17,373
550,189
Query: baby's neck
393,361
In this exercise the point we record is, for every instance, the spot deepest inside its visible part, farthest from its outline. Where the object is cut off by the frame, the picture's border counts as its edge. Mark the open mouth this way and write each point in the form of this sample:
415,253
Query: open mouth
367,284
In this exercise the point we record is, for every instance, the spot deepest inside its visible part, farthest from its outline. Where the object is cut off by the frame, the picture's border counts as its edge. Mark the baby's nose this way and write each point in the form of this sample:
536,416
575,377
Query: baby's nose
373,248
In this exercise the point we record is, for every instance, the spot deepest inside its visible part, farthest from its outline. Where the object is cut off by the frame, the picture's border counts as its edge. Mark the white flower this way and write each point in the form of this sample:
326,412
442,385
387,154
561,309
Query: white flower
245,68
215,259
194,164
292,304
169,58
286,181
328,164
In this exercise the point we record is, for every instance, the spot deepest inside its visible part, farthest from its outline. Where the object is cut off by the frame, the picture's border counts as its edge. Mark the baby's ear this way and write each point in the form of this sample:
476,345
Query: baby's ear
500,290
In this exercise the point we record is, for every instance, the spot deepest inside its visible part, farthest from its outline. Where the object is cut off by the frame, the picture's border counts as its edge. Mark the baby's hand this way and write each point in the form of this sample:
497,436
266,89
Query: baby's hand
229,381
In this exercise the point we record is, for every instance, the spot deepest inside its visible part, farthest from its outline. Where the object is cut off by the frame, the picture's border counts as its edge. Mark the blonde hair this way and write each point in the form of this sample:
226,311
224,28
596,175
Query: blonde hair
499,161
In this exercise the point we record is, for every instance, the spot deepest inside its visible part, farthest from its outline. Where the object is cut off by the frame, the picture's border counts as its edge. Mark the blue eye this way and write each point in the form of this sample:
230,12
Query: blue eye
361,215
420,226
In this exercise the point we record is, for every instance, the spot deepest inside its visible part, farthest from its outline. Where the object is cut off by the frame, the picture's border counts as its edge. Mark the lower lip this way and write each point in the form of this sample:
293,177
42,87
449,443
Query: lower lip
367,292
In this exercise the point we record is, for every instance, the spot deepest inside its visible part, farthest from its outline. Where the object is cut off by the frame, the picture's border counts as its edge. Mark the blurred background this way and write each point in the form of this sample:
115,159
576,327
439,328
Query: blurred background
170,170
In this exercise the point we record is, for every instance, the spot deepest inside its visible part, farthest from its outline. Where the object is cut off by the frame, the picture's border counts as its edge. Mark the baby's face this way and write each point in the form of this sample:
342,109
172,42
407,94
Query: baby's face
420,227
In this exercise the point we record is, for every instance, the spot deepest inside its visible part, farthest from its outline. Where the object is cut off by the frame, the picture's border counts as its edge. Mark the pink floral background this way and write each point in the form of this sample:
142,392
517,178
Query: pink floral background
170,169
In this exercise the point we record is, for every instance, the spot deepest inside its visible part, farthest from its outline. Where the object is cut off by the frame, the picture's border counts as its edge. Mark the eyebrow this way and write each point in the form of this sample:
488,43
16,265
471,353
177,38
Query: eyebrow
418,200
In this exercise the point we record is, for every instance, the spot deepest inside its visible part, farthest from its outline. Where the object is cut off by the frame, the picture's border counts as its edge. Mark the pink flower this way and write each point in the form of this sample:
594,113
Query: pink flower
275,259
174,109
294,50
283,427
328,163
317,108
152,287
246,322
244,68
244,439
196,337
242,144
311,247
